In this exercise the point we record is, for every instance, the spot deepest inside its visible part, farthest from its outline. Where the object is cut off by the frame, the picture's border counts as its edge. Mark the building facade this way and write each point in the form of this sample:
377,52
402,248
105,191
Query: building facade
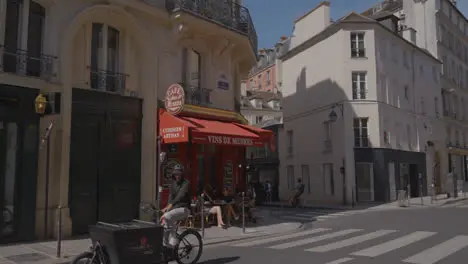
439,27
357,124
104,68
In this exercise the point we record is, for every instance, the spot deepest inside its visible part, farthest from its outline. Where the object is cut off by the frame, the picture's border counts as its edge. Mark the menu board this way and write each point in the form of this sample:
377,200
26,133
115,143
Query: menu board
228,171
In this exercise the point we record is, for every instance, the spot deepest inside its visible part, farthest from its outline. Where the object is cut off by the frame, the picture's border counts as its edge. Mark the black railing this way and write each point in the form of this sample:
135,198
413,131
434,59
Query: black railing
237,106
21,63
198,96
224,12
108,81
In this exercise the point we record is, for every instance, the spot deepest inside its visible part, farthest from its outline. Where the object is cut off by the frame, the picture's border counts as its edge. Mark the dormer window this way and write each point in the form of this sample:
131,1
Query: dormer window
275,104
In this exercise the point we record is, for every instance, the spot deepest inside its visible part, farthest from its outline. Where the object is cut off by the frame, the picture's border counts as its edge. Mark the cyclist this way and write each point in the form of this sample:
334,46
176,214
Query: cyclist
297,192
177,207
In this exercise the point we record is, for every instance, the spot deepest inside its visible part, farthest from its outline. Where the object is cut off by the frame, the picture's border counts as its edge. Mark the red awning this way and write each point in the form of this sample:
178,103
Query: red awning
173,129
265,135
222,133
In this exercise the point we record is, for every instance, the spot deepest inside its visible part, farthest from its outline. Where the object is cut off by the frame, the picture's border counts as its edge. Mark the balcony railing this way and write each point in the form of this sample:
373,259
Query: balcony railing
224,12
108,81
198,96
21,63
237,106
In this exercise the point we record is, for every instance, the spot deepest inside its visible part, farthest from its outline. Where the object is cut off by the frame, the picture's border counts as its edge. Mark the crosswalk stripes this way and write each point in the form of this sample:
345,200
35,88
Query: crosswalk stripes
340,261
351,241
316,215
394,244
439,252
315,239
274,239
341,239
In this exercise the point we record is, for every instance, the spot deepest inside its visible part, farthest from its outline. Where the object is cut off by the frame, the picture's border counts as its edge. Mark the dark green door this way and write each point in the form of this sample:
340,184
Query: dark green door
9,133
84,166
104,159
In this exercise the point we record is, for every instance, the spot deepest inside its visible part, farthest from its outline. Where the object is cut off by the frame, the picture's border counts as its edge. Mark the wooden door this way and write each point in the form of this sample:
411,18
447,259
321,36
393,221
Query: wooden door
84,171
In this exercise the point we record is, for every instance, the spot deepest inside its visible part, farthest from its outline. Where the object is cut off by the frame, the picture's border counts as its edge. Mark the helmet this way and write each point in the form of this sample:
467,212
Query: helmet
177,169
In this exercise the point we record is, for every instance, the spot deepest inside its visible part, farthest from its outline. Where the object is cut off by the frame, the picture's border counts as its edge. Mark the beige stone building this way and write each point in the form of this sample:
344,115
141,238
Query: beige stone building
104,65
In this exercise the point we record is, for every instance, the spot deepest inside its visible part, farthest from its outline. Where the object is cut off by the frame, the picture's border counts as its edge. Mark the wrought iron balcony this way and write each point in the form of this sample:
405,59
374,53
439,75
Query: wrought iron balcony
224,12
110,81
237,106
198,96
21,63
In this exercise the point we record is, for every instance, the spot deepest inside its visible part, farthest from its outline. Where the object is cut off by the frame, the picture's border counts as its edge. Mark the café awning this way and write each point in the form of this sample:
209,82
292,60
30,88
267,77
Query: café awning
179,129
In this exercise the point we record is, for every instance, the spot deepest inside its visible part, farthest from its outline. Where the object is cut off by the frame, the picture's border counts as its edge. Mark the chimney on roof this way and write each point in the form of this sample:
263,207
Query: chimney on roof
283,38
312,23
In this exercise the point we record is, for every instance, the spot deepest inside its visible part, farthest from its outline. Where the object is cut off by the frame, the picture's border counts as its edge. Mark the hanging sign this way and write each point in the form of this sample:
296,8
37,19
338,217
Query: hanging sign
175,99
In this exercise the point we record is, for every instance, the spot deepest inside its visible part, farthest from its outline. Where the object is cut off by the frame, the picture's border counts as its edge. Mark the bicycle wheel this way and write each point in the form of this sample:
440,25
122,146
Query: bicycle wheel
85,258
183,249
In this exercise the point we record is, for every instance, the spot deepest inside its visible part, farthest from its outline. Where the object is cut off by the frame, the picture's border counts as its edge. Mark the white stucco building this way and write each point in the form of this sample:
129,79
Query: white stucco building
108,65
362,105
441,28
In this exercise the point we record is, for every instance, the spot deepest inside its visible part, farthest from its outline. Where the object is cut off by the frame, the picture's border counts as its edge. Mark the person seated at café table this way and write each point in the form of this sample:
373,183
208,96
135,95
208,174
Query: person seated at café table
209,208
229,198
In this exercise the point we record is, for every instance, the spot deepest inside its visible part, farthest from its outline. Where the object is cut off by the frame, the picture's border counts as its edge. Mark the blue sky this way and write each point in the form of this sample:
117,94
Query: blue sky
274,18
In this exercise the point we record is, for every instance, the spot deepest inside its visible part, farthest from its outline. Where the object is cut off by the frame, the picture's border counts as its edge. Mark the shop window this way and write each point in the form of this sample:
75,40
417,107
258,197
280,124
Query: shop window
212,168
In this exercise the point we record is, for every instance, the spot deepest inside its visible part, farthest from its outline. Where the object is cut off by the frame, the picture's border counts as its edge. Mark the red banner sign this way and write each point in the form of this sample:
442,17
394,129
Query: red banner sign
174,134
225,140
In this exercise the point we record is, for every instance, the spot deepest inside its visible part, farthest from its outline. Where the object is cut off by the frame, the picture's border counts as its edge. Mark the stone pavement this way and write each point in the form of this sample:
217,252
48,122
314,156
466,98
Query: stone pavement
45,252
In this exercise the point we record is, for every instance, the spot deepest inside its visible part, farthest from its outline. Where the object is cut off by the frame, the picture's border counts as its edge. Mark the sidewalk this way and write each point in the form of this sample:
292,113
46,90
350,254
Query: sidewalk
360,206
426,201
45,252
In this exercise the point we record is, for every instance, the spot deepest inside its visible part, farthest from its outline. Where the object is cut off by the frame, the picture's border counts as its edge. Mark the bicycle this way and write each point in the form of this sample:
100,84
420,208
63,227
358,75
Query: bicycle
98,254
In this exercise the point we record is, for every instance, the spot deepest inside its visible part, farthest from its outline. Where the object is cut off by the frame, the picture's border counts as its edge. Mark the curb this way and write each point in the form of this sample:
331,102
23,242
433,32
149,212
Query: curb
454,201
312,207
253,235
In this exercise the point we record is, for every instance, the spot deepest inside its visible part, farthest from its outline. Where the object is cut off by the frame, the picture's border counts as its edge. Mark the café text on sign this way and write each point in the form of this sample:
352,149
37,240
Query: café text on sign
175,99
230,140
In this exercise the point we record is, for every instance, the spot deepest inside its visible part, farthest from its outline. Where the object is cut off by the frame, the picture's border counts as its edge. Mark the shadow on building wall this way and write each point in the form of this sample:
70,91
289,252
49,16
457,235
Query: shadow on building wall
321,141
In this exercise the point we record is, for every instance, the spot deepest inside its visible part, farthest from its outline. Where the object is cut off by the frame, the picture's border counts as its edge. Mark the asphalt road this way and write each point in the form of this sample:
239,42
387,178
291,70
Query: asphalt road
403,236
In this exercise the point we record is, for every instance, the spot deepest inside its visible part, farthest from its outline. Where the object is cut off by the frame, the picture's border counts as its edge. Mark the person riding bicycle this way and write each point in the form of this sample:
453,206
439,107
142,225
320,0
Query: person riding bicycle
297,192
177,207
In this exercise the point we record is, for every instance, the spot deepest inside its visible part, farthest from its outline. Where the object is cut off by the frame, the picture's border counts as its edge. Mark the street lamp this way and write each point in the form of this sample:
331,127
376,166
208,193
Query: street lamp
332,116
40,106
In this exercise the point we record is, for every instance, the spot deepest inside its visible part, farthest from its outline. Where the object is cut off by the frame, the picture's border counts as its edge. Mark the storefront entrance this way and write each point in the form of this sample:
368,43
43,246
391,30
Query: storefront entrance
105,158
18,163
365,181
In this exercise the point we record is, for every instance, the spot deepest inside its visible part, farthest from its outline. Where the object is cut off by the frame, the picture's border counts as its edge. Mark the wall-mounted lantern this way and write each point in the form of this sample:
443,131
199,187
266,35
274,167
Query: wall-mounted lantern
40,104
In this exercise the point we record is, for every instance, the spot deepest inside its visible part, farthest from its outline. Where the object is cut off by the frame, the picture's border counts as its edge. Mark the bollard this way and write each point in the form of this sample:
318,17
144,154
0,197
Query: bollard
421,195
243,212
202,214
158,201
59,232
408,194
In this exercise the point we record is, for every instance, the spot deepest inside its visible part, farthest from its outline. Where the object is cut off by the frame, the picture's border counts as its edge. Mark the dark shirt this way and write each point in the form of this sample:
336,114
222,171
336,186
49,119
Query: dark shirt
179,194
300,188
